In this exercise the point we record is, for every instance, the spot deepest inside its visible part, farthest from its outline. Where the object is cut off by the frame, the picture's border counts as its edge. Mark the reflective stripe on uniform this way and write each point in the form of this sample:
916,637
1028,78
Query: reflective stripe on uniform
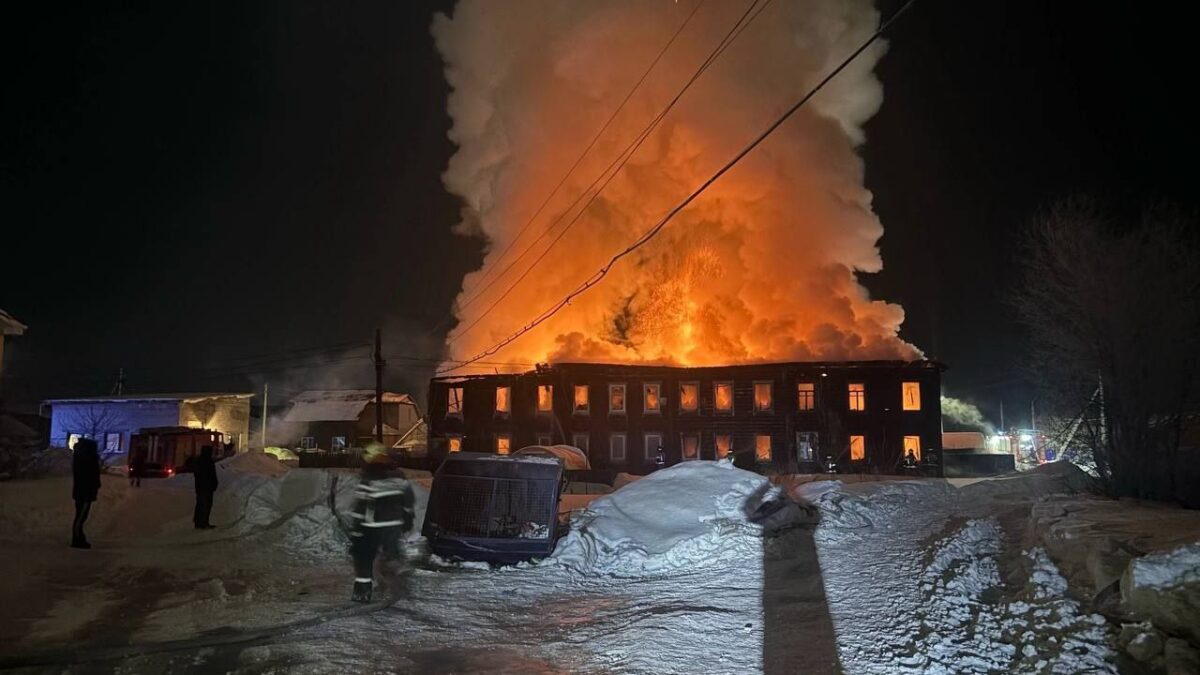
386,523
362,580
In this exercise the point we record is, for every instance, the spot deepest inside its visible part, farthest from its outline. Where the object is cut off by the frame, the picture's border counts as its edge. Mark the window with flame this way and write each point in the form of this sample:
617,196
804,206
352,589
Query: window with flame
762,448
912,444
689,446
582,400
545,398
616,399
454,444
723,397
503,444
806,396
616,447
653,397
858,396
689,396
503,400
762,396
454,401
858,448
723,444
912,395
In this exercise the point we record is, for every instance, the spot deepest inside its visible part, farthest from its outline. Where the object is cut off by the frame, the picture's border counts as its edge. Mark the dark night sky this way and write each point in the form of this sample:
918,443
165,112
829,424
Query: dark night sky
185,186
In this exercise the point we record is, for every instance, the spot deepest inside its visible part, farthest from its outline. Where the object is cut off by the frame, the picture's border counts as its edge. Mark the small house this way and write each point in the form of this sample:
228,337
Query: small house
112,420
334,420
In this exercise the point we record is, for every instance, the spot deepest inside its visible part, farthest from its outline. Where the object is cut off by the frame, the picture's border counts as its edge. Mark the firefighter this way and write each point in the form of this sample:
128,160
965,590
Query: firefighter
383,511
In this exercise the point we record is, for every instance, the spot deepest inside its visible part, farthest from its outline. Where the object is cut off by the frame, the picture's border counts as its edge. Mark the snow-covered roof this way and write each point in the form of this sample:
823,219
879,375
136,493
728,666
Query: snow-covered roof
9,325
190,397
337,405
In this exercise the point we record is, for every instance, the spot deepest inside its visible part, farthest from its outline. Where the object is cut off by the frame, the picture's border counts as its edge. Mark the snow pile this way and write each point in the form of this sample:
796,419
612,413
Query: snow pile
695,513
1166,570
260,463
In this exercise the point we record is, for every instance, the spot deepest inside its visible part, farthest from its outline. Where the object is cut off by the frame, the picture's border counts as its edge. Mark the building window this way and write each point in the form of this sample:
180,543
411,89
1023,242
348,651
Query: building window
454,401
583,401
653,445
723,444
616,447
806,395
544,439
806,445
72,439
858,396
112,442
503,400
912,395
616,399
762,448
762,396
653,396
503,444
689,396
337,443
454,444
580,441
545,398
723,397
195,424
858,448
689,446
308,443
913,444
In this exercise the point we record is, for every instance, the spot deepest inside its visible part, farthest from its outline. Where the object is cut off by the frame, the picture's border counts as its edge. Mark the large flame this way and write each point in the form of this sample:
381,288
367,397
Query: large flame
761,267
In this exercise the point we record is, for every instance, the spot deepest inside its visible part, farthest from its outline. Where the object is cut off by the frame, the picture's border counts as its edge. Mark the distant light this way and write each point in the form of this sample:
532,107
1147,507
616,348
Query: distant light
824,374
1026,437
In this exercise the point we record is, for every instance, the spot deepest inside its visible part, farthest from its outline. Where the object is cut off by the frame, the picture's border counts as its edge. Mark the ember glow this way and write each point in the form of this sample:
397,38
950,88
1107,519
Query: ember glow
761,267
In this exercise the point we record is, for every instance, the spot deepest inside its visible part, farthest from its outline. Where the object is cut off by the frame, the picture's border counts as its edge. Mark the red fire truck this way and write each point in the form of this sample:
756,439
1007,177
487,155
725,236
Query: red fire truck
166,451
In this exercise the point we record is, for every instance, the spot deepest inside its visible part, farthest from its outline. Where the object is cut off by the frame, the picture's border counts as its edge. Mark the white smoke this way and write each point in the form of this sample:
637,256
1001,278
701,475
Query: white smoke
965,414
762,266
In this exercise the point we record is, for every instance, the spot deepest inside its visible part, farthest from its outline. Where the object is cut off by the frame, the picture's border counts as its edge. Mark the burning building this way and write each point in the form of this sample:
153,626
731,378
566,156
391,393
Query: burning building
865,415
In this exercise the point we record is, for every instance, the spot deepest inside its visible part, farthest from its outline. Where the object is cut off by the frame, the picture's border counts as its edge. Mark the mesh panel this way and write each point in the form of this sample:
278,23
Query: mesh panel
503,508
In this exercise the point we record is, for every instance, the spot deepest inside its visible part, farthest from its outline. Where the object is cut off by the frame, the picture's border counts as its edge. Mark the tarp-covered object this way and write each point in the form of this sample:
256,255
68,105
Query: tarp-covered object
573,458
494,508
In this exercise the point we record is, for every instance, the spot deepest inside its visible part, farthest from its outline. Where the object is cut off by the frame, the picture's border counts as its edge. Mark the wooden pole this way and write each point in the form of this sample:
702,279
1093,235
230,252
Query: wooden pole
378,387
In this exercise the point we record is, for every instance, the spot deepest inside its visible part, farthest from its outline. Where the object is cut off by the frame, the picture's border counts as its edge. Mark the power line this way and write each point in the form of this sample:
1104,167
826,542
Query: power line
610,172
578,160
653,231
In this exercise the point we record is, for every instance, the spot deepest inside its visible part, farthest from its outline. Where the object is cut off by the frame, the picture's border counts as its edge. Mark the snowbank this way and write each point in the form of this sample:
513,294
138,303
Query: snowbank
1165,588
695,513
260,463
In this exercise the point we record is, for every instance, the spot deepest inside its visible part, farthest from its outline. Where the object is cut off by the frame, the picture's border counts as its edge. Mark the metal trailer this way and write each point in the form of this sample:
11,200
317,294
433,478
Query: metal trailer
494,508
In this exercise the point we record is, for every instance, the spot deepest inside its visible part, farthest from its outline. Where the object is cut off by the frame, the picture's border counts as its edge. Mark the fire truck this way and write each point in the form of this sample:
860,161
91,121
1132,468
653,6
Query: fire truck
166,451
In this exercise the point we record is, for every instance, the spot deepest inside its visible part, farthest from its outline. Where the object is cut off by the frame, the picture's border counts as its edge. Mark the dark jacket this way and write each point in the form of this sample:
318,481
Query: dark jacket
85,467
383,500
206,472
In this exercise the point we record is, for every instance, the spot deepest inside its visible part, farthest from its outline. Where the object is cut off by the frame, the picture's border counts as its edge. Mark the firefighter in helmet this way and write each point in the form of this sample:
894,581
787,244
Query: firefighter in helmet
383,512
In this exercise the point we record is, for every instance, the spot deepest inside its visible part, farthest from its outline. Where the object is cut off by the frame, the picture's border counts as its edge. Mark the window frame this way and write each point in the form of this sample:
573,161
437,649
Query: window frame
614,386
812,439
658,409
612,456
770,384
918,448
859,395
652,455
717,410
696,406
537,405
450,411
586,409
904,390
717,446
549,438
506,436
507,402
107,447
308,442
587,441
758,459
450,443
683,436
863,447
333,443
809,395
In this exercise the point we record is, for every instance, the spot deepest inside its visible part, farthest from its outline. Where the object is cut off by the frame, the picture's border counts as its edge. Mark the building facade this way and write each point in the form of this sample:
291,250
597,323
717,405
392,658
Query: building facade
335,420
863,415
111,420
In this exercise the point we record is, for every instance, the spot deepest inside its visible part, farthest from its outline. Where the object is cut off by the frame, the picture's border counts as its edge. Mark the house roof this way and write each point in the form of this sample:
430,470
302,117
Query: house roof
9,325
190,397
337,405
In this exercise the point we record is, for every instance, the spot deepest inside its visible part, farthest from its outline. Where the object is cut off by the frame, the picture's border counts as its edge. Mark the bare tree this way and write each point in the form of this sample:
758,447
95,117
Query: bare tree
94,421
1113,312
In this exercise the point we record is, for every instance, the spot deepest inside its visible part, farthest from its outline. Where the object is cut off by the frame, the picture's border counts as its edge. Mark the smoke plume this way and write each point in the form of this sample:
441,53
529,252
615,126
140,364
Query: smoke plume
966,414
761,267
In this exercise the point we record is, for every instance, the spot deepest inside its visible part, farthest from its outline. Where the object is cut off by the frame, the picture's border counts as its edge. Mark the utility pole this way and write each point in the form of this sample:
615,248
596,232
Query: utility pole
266,386
1033,428
1003,429
378,387
119,386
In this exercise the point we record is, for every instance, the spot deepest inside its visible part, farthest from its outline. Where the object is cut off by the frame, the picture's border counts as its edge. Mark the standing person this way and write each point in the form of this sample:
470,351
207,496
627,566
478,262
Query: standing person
206,484
85,469
137,466
383,510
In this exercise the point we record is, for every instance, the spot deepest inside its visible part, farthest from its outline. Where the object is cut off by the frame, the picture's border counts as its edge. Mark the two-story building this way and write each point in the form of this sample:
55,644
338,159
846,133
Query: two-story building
864,415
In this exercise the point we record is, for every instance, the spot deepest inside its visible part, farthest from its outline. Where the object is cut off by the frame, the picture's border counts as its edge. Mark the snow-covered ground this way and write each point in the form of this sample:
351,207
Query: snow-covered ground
698,568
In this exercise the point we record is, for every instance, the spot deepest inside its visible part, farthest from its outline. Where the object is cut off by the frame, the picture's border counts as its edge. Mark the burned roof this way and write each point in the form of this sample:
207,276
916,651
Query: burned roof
337,405
650,369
